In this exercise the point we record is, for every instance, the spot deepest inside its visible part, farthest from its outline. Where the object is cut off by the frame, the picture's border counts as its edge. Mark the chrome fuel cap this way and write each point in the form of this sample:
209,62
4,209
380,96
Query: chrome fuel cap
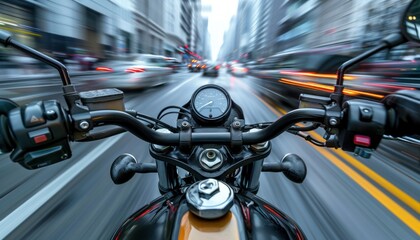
209,198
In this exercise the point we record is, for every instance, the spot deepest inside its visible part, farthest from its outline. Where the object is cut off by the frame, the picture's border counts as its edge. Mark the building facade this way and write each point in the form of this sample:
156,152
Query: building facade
175,36
267,27
74,25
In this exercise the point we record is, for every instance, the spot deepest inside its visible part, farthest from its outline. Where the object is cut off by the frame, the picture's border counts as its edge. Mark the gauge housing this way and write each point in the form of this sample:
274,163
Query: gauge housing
199,117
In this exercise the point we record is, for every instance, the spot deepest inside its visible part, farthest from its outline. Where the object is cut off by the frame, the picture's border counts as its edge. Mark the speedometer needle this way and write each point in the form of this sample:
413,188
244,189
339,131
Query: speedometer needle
211,102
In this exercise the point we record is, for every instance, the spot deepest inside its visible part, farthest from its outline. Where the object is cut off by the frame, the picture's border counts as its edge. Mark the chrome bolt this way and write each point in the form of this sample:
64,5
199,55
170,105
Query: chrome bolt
84,125
64,156
208,186
210,159
210,155
333,121
185,125
236,124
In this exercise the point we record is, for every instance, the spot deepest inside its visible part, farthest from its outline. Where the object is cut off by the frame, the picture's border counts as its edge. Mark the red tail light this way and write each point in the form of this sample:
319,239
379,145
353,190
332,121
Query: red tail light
217,67
134,70
104,69
246,70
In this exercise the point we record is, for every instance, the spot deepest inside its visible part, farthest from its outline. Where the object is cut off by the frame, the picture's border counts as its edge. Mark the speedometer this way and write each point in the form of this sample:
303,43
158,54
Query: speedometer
211,103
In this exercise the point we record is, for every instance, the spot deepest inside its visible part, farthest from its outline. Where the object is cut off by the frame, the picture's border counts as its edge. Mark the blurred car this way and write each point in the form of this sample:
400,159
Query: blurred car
211,69
238,69
194,66
82,57
173,63
142,71
229,66
289,74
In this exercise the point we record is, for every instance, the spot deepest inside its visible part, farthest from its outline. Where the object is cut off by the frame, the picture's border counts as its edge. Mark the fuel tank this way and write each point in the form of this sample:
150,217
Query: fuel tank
168,217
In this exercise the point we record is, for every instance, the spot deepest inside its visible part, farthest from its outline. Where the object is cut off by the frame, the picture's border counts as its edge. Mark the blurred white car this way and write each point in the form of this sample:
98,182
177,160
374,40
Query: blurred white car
239,69
144,70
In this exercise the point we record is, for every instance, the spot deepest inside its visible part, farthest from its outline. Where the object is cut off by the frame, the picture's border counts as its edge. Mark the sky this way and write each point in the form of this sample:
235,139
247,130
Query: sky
219,19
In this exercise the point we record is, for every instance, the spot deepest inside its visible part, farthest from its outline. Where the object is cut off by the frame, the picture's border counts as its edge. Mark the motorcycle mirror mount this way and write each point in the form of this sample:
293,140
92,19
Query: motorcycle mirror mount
388,42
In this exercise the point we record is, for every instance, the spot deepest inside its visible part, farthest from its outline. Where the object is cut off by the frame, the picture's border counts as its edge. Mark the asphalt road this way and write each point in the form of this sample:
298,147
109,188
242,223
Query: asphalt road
343,196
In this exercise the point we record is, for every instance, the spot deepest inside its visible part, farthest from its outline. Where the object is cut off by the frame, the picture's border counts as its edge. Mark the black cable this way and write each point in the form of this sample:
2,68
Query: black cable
167,113
172,106
311,127
310,139
157,122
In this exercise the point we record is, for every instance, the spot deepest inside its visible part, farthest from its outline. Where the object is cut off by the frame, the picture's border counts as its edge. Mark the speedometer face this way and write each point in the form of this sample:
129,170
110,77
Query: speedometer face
211,103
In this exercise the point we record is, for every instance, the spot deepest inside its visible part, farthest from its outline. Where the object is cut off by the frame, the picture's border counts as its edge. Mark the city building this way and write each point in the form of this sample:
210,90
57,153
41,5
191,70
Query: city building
228,50
205,39
149,26
72,26
175,36
186,20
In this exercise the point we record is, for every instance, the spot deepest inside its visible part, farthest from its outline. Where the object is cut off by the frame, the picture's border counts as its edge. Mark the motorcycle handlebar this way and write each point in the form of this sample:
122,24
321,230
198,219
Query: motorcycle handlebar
133,125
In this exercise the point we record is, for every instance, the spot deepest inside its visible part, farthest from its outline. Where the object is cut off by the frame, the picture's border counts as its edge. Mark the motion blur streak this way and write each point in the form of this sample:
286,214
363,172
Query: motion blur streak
411,221
24,211
388,86
311,74
327,88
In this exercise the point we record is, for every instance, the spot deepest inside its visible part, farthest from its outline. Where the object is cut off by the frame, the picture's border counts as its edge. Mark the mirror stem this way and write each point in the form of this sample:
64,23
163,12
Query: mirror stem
44,58
388,42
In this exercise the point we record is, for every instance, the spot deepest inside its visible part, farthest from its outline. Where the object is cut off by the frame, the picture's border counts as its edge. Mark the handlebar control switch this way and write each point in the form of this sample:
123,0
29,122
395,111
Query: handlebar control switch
40,131
363,125
33,115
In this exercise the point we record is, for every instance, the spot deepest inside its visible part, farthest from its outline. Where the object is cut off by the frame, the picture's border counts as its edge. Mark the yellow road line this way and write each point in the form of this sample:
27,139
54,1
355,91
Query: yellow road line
391,188
411,221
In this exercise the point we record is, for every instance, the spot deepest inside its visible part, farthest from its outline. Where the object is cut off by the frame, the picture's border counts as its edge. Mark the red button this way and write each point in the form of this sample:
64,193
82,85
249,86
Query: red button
361,140
40,138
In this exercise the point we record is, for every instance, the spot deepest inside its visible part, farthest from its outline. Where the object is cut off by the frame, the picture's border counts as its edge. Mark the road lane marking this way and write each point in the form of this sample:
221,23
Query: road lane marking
182,84
30,206
411,221
391,188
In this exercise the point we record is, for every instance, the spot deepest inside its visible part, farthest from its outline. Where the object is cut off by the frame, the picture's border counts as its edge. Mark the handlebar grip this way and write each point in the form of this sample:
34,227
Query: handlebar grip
6,141
403,113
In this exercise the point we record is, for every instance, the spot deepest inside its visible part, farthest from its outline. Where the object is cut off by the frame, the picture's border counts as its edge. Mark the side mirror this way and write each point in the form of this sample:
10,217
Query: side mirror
410,22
